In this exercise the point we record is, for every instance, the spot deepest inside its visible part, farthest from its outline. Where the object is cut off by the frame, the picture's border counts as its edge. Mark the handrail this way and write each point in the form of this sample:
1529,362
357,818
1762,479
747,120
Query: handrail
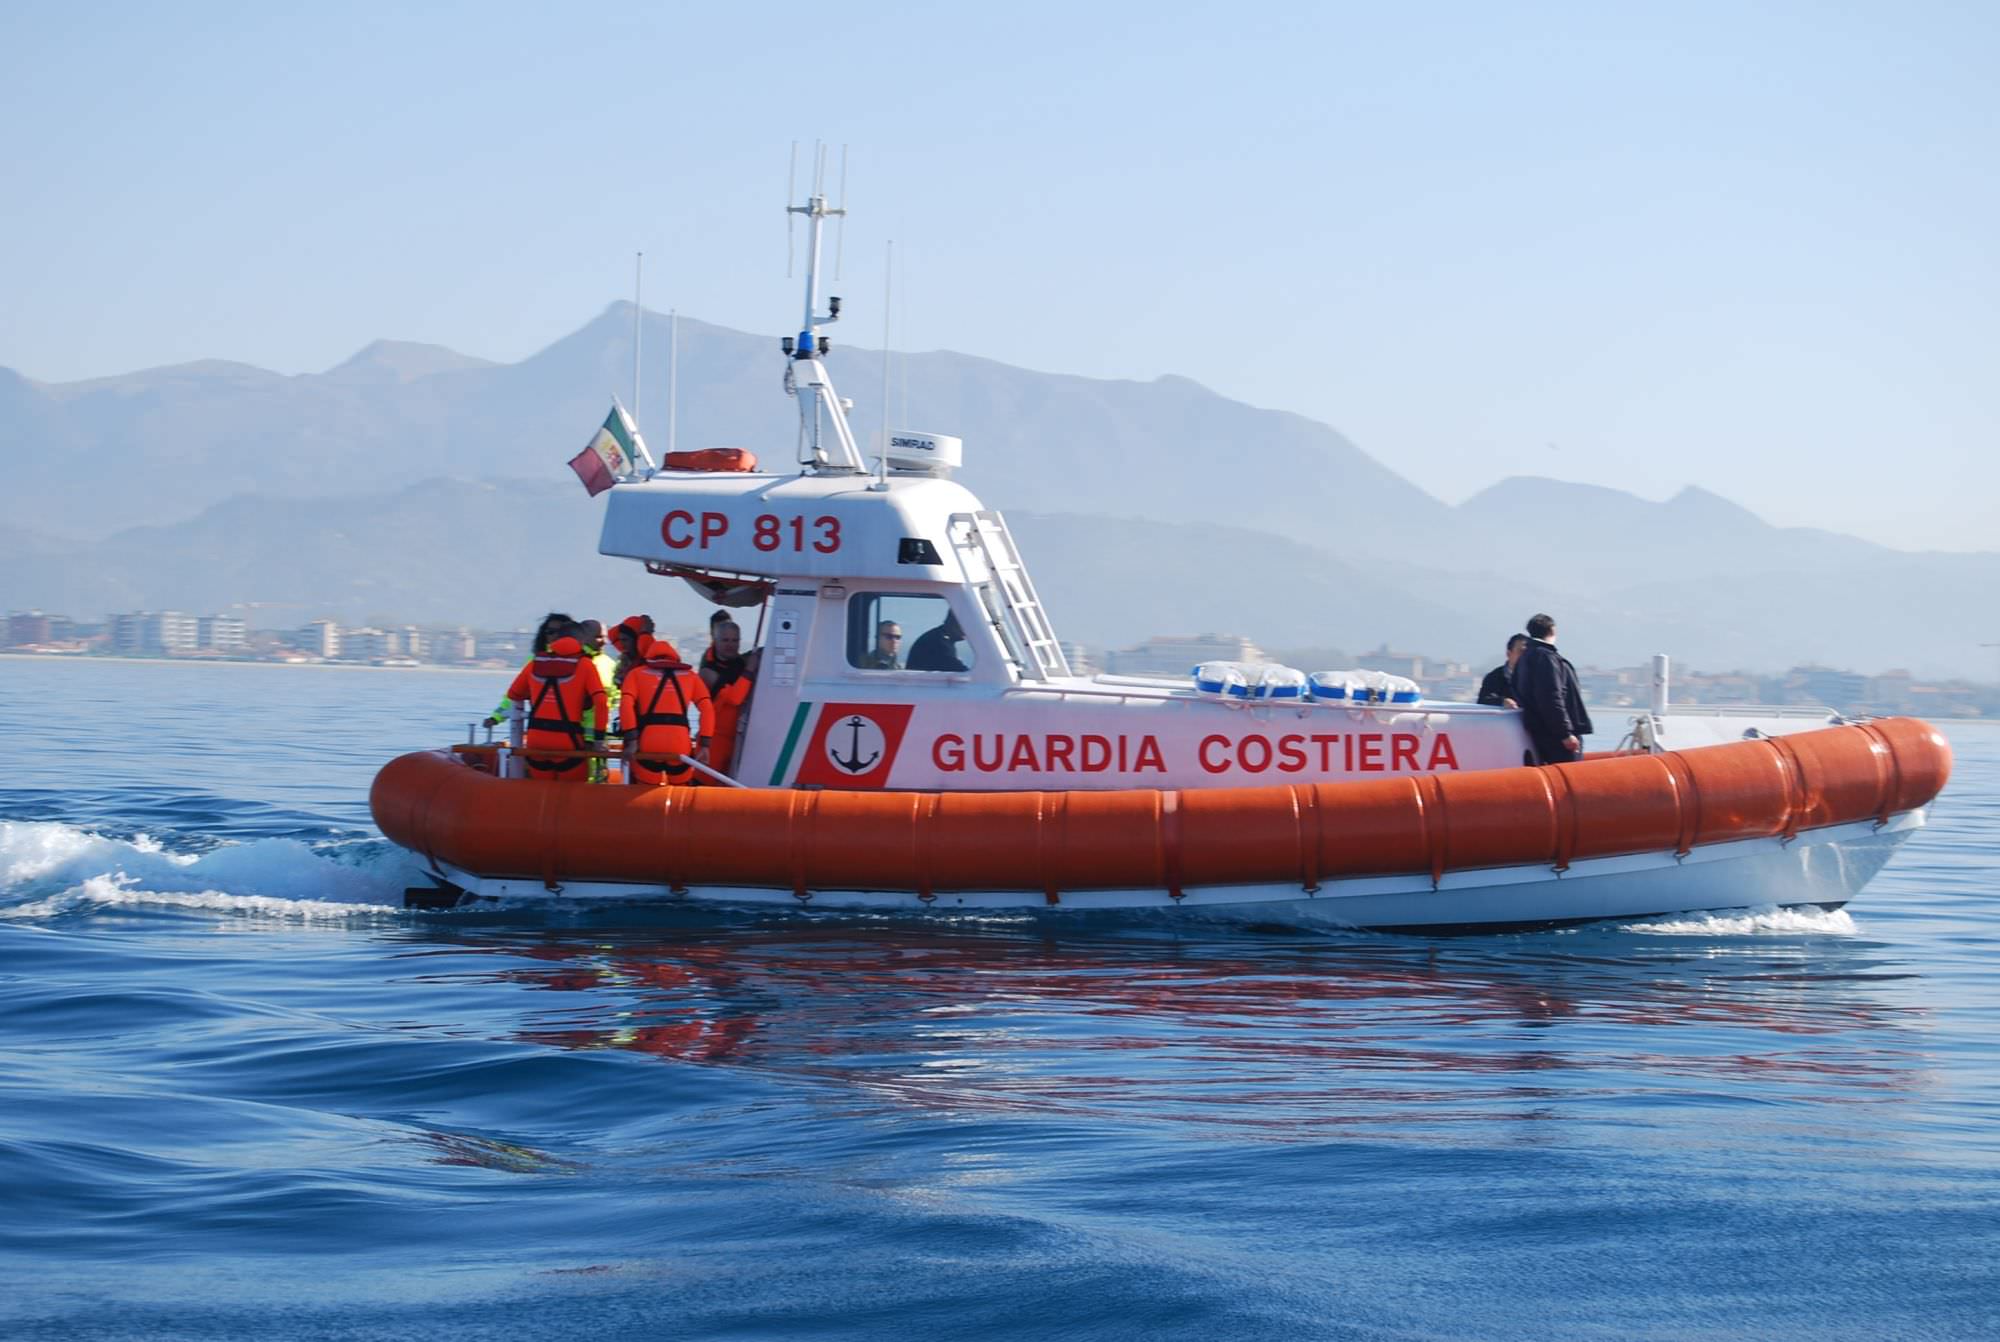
699,767
616,752
1694,710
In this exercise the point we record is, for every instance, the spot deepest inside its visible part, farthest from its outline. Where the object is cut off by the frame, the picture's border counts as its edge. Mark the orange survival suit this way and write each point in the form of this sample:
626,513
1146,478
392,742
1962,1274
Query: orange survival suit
653,713
732,691
566,710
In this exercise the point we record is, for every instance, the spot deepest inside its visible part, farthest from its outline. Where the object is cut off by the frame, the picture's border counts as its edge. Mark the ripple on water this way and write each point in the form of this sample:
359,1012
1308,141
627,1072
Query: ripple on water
238,1085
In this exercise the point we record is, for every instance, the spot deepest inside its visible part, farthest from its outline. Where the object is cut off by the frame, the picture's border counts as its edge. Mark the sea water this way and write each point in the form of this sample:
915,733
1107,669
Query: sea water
244,1094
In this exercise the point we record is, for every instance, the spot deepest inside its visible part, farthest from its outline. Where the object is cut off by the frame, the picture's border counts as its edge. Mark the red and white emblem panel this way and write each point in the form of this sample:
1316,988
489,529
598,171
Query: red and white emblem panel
854,745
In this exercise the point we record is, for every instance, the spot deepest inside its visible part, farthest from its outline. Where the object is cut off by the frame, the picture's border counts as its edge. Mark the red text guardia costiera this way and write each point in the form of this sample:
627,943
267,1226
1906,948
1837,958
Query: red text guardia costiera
1292,753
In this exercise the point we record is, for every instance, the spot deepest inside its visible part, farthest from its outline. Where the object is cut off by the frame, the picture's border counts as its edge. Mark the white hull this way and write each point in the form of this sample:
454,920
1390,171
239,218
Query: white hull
1825,867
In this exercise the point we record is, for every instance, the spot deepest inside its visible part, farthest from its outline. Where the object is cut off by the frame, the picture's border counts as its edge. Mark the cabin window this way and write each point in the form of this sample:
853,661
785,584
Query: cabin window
904,631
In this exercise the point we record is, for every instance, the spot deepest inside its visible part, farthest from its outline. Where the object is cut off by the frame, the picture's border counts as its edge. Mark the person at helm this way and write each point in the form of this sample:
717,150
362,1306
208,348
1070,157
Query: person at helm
887,654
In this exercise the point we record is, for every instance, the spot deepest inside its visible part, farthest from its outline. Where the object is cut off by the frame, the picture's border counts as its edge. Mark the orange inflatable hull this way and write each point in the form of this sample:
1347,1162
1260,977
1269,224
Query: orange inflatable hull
1052,843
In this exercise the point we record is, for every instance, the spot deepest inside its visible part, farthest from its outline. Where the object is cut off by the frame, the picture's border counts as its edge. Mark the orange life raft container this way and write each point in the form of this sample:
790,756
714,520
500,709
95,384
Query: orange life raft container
711,459
928,843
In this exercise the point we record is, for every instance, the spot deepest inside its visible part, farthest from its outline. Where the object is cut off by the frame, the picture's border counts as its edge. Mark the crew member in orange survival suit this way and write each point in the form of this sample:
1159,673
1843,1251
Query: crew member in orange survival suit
664,705
566,710
729,674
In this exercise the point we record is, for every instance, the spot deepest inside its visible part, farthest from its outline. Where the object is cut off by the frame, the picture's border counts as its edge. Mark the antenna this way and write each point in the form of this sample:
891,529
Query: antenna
791,190
806,378
903,364
673,374
888,280
638,292
840,228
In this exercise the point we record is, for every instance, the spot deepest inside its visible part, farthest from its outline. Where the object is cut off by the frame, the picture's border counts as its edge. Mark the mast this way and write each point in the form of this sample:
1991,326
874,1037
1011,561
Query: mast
888,279
805,375
638,298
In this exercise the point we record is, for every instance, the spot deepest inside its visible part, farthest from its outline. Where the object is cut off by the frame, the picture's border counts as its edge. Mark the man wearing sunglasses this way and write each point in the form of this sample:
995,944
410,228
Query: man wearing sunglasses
886,655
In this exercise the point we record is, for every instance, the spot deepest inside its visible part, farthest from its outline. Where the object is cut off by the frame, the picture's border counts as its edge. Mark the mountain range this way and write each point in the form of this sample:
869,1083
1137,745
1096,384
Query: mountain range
418,483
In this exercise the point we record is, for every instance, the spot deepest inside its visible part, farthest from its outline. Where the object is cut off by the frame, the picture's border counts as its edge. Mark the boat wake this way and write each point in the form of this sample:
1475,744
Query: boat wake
1751,922
48,869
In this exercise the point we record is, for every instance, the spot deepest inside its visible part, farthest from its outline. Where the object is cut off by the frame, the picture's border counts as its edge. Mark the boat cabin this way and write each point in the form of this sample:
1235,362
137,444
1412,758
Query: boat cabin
903,645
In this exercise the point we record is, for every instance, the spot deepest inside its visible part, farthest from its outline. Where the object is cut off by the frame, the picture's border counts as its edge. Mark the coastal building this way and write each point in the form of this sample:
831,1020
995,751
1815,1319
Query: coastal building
1823,685
1451,680
449,646
320,638
148,633
1175,655
1408,664
1731,687
1079,657
221,633
29,627
504,645
368,644
1618,687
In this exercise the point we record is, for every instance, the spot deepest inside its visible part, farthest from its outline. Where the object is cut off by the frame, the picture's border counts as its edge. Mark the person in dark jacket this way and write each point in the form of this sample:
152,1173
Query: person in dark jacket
1498,687
937,649
1551,704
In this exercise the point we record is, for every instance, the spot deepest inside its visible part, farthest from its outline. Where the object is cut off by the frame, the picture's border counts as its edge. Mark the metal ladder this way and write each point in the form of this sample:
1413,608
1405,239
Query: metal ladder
985,533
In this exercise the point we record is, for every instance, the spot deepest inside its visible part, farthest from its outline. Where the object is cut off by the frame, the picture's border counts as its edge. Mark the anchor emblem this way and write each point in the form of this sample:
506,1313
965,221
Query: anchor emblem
854,745
854,763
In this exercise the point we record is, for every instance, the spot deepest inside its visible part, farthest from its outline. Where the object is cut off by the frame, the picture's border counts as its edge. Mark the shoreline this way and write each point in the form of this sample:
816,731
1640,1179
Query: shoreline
100,659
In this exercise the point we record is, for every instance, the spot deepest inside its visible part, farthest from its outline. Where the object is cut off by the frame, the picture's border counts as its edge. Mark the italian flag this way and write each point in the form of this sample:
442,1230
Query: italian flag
615,451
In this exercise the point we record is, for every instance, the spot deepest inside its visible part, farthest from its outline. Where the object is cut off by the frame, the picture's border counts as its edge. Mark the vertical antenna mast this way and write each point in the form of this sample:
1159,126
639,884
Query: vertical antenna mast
840,230
903,365
791,190
806,377
888,282
638,298
673,375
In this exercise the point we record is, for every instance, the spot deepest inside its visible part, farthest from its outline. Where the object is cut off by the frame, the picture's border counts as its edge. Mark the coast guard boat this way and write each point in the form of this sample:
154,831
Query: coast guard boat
995,778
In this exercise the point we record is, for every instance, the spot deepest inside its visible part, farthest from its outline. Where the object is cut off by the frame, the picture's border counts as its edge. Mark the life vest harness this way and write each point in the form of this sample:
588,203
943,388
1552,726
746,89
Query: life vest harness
546,683
545,689
727,670
650,716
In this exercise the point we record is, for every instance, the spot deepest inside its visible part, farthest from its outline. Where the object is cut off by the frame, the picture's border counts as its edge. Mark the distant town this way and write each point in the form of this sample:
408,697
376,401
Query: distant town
175,636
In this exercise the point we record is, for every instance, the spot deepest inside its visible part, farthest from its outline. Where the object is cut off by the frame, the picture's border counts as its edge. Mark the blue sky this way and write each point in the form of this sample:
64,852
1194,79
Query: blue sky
1748,247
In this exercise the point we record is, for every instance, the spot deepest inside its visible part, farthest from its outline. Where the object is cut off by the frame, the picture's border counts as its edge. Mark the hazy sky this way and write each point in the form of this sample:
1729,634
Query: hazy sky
1750,247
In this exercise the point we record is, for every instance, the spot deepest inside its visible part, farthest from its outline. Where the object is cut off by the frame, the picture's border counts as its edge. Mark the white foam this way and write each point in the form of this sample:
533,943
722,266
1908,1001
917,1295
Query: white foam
1751,922
121,891
32,850
52,867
